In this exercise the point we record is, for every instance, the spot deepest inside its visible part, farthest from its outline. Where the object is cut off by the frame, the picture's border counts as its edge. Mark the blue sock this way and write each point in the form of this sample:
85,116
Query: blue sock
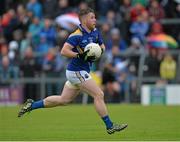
107,121
38,104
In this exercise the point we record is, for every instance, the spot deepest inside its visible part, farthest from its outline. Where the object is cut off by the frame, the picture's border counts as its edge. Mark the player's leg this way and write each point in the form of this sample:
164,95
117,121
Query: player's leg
68,94
94,90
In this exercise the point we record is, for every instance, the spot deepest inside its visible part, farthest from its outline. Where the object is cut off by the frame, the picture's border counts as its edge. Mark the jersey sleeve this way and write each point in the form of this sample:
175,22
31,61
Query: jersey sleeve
73,40
74,37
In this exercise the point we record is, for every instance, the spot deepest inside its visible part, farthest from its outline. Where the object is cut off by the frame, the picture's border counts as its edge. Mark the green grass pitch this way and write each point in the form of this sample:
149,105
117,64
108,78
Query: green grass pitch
81,123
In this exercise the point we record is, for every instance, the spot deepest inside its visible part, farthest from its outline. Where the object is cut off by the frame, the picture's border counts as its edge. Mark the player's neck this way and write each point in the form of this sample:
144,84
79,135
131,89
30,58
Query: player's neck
86,28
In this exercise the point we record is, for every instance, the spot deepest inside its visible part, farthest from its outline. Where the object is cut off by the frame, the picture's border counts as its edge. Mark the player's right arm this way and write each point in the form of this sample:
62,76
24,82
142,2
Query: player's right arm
73,41
67,51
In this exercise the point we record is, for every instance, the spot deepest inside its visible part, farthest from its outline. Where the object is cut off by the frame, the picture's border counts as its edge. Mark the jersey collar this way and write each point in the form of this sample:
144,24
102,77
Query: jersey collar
84,30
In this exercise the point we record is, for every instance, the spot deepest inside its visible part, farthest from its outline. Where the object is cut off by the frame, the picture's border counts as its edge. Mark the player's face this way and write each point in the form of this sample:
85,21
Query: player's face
91,21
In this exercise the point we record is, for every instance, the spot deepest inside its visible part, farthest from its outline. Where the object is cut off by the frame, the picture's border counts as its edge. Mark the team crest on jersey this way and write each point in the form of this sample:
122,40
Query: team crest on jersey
90,39
84,41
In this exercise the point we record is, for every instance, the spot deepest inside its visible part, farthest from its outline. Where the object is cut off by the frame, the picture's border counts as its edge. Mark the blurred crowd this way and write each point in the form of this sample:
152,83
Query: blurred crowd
32,33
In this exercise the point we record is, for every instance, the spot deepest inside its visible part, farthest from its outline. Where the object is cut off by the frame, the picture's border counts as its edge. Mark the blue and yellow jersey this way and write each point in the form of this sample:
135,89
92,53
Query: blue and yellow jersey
79,39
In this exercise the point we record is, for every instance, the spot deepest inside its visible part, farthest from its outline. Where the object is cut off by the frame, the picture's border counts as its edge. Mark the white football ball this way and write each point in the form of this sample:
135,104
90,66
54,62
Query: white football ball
94,50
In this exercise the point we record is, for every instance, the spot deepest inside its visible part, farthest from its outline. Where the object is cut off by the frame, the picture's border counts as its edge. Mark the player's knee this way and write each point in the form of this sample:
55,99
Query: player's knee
99,95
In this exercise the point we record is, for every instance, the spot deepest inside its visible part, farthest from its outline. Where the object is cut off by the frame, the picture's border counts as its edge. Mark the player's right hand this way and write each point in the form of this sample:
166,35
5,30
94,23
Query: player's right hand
83,55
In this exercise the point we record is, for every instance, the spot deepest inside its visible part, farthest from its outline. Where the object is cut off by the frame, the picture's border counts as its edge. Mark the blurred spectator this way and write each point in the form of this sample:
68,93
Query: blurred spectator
23,18
53,64
110,85
7,70
122,75
3,47
25,43
53,61
156,12
119,63
42,48
49,8
125,9
49,31
137,10
30,17
112,18
4,50
9,23
171,8
127,82
34,29
35,7
168,68
82,5
29,68
156,29
140,27
14,52
124,12
21,11
135,46
114,66
13,45
62,7
105,31
18,35
135,49
61,37
116,40
103,6
152,63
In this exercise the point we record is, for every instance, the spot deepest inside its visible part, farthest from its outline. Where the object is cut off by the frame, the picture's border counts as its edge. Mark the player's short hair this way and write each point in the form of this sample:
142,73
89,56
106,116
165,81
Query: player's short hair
83,12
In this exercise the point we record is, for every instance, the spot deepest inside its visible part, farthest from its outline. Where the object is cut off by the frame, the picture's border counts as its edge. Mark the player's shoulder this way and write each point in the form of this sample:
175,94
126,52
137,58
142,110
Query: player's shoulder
77,32
96,31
